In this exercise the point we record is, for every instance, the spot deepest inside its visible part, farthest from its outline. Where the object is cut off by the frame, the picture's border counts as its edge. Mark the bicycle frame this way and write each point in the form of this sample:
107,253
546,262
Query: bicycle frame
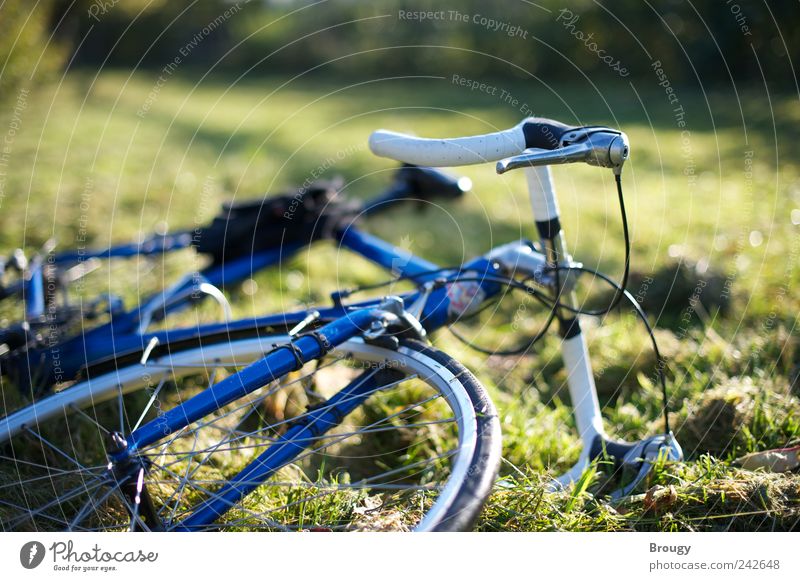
347,322
116,339
439,306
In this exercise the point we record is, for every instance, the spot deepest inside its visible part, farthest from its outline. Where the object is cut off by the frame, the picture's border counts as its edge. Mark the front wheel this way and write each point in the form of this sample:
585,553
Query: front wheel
421,453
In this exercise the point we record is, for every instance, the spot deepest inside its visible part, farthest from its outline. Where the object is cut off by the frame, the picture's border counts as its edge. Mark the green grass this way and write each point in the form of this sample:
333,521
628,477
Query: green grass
733,368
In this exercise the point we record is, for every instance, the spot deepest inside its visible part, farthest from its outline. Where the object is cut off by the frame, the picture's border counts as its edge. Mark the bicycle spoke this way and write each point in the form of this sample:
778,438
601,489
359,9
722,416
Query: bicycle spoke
91,504
134,516
262,440
26,511
150,403
86,416
50,477
363,483
262,397
196,486
273,426
55,448
121,406
55,502
55,470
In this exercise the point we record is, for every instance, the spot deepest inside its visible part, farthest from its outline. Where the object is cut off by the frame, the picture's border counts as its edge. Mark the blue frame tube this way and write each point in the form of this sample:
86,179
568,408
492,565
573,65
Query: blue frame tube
237,270
153,245
274,365
33,294
117,338
392,258
285,450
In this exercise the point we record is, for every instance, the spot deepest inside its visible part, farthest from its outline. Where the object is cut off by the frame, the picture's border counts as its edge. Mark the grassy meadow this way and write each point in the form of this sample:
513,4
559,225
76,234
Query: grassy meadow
715,228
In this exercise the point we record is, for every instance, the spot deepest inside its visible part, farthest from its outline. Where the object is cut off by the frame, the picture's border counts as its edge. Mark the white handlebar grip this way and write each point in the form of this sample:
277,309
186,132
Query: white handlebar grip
542,192
447,152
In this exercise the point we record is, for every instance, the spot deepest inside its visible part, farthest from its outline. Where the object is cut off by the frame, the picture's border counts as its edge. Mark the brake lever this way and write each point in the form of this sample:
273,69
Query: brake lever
598,147
536,157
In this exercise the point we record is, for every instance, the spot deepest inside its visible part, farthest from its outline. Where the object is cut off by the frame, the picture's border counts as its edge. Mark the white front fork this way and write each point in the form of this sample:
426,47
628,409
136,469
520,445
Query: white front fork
580,378
585,406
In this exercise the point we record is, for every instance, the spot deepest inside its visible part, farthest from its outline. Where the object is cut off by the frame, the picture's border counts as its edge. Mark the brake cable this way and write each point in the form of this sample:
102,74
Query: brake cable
553,304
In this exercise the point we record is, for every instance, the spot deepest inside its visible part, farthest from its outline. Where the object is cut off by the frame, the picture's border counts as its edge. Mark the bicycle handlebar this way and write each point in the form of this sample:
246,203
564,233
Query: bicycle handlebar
421,184
532,132
599,146
447,152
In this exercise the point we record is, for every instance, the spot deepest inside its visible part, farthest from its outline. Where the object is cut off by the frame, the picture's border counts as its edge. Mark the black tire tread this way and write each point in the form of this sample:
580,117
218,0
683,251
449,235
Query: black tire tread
475,490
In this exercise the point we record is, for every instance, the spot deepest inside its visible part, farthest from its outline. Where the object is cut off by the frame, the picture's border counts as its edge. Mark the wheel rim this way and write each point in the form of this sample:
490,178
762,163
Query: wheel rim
395,463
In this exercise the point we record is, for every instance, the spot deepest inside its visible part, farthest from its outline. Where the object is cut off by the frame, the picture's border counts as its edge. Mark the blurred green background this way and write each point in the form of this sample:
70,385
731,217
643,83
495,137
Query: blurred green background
704,42
123,117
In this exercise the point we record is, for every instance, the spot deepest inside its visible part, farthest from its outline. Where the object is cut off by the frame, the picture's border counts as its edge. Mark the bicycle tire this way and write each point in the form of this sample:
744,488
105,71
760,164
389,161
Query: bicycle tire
451,506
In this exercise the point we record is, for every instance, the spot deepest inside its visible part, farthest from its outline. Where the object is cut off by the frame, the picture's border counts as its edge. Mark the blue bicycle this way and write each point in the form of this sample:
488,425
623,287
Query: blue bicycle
340,418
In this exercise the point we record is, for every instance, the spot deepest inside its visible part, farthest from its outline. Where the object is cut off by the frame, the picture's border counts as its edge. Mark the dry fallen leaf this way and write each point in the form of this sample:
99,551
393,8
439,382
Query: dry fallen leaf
778,460
659,498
